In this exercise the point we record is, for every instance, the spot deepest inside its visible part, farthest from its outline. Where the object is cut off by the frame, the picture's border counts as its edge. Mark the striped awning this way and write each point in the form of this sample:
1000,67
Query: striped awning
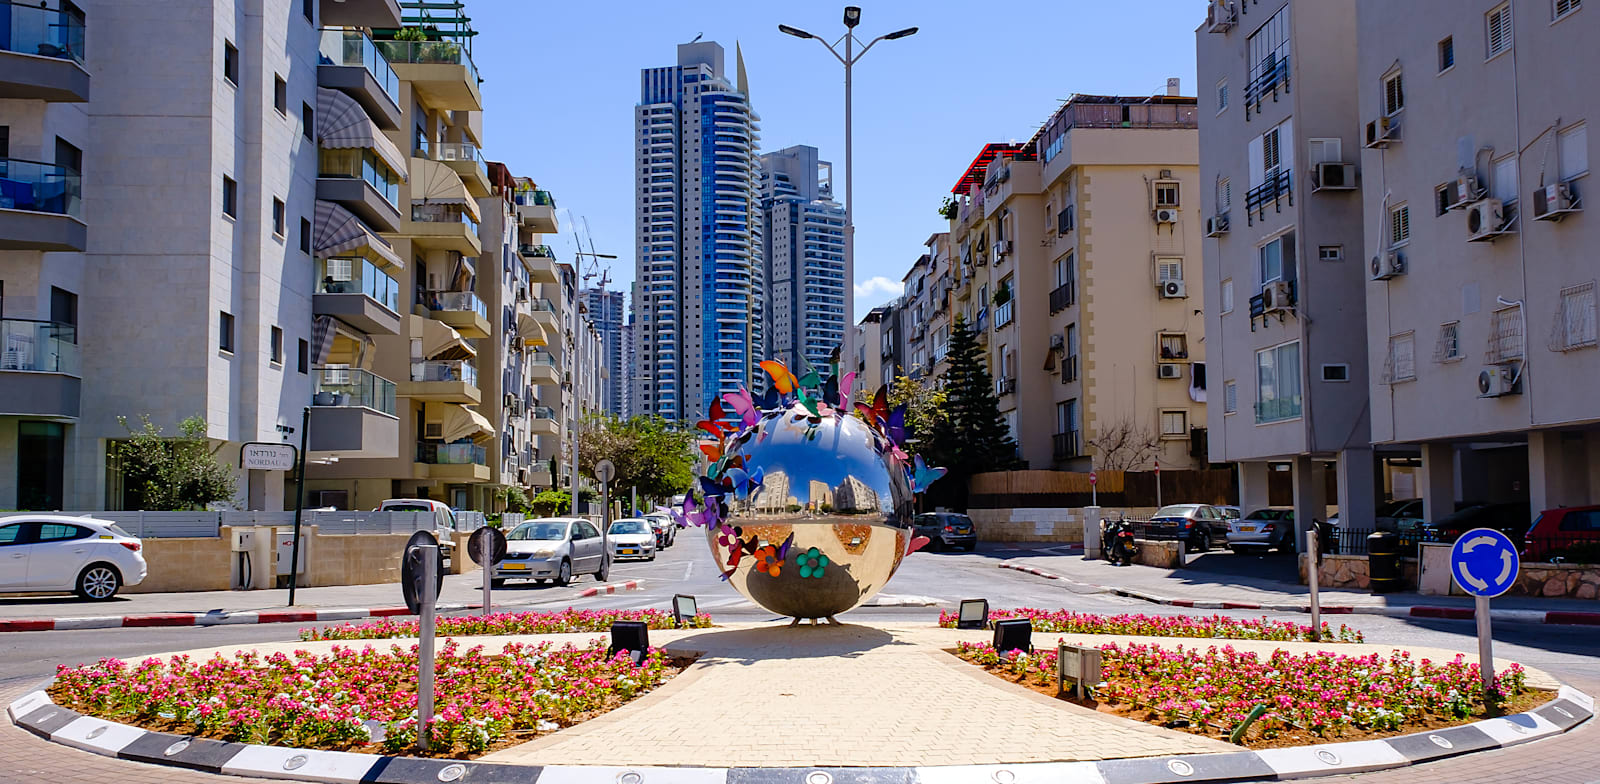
529,330
439,341
342,123
462,422
435,183
338,232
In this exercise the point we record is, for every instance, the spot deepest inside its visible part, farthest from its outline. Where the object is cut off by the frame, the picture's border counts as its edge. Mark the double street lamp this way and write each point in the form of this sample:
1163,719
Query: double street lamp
852,17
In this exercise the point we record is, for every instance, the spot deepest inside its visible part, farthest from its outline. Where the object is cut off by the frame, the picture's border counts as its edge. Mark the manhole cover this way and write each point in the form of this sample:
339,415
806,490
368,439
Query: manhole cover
176,747
1180,767
1327,757
296,762
452,772
1441,742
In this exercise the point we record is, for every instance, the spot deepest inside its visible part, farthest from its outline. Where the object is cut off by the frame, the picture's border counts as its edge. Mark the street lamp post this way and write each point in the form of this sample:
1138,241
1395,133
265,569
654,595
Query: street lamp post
852,17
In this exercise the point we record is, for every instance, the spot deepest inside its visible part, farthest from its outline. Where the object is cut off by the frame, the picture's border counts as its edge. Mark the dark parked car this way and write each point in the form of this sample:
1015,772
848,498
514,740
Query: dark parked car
945,530
1268,528
1197,525
1571,534
1512,520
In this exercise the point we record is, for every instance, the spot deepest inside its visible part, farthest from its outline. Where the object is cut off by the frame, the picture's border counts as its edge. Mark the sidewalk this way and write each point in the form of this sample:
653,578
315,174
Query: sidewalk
1225,581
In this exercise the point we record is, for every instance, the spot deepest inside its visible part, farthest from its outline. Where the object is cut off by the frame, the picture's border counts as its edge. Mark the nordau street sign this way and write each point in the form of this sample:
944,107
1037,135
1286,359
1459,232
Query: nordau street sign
263,456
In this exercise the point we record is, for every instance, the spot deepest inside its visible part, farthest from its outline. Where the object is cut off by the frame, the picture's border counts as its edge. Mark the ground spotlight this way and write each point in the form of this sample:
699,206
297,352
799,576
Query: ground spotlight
630,636
974,614
1013,635
683,610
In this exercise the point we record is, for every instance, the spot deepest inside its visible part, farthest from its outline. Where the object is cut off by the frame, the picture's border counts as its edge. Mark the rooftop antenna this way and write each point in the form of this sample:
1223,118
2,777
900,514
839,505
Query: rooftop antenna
697,37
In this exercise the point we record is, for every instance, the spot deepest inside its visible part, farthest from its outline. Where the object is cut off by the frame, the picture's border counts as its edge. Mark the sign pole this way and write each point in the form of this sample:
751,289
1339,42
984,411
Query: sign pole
1158,483
299,503
1485,649
1314,564
486,561
1485,563
427,596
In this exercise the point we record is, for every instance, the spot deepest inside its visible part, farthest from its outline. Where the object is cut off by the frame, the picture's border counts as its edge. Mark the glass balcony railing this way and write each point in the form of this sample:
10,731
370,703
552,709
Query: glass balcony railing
357,275
530,198
40,346
357,163
35,29
451,454
541,412
536,251
40,187
442,213
460,301
1277,409
352,388
541,358
429,53
541,304
353,47
445,370
460,151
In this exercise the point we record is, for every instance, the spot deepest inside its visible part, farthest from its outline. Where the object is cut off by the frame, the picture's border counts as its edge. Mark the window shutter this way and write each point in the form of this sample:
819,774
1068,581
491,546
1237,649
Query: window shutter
1394,94
1499,30
1269,151
1574,151
1255,156
1230,397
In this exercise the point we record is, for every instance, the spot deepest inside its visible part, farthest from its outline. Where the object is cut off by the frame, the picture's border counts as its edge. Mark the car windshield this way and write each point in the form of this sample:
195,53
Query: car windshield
630,527
1271,514
538,531
1176,510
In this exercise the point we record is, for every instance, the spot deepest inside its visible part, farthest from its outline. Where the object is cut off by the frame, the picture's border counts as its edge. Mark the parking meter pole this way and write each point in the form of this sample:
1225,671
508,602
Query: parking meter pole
299,502
1313,564
427,596
1485,648
486,561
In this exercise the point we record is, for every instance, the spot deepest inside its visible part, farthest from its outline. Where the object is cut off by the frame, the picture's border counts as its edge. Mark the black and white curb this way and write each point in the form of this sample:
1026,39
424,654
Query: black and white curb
36,713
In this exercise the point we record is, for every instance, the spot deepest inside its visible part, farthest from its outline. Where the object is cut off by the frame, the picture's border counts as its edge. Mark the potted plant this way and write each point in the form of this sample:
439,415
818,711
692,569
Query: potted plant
949,208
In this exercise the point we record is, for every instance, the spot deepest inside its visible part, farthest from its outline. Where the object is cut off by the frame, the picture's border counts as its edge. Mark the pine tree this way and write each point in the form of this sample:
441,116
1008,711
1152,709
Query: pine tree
972,436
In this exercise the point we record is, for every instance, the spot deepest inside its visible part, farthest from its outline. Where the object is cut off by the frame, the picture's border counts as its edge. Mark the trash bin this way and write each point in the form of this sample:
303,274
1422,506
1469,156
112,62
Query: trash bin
1383,562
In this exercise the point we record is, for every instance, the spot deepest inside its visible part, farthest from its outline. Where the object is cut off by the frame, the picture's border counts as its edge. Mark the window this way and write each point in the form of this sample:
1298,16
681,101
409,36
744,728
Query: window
1222,95
278,218
308,7
305,236
1166,194
280,95
1227,296
1325,151
1270,158
61,532
1339,372
1174,345
277,345
225,331
63,307
1447,54
1277,259
1399,225
230,197
1444,197
1174,424
1401,365
1564,7
1278,383
1224,196
1575,322
1448,348
1574,151
69,155
303,360
1330,253
1394,93
1169,269
308,120
1230,397
1497,25
230,63
1504,186
1505,335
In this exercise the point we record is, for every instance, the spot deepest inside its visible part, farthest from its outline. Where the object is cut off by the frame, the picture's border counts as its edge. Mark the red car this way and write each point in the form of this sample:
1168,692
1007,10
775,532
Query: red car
1571,533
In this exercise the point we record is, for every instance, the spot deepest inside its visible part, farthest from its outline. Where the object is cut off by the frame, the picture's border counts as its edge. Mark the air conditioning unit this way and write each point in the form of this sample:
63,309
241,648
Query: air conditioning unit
1216,225
1486,220
1497,380
1001,248
1220,16
1387,265
1166,215
1275,296
1468,190
1553,201
1168,370
1383,131
1333,177
1173,289
1058,342
511,400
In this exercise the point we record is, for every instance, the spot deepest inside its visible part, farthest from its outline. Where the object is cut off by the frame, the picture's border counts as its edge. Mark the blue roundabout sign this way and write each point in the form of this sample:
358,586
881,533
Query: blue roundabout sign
1484,562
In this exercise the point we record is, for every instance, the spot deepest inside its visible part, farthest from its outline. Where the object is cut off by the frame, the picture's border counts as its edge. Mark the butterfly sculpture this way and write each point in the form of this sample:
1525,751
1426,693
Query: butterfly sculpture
922,475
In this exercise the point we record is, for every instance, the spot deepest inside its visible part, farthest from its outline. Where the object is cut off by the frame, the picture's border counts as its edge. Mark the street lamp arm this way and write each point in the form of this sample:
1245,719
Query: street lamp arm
833,51
906,33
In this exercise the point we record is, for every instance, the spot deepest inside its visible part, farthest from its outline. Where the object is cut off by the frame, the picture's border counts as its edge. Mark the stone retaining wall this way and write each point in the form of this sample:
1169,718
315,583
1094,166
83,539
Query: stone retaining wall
1160,553
1576,581
1352,571
1040,524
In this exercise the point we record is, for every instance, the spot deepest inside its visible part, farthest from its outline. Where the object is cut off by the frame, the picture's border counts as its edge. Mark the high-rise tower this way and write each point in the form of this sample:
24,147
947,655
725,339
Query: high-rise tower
803,239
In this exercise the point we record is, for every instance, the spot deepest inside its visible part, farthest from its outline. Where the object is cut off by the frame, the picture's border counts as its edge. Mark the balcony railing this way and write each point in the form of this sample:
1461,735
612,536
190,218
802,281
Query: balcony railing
357,163
429,53
1004,313
1277,410
40,346
351,387
541,304
1278,188
1005,386
1069,368
460,151
536,251
1267,76
541,412
341,275
445,370
1064,445
451,454
48,32
541,358
459,301
353,47
531,198
442,213
1062,297
40,187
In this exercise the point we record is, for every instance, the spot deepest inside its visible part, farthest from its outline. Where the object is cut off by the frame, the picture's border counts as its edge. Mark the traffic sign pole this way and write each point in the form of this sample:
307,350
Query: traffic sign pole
1314,564
1485,563
486,560
1485,649
427,596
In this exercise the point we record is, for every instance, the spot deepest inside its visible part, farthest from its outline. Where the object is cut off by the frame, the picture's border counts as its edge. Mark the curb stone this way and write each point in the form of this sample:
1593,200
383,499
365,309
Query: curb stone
36,713
1558,617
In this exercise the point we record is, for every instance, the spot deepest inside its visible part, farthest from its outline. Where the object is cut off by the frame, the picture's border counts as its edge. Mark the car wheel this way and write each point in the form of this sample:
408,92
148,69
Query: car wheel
605,569
652,557
1202,542
564,577
493,583
98,582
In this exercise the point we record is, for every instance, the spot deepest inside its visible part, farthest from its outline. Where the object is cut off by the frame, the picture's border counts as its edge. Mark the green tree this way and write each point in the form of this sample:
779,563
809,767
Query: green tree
649,452
972,436
515,500
925,410
551,502
172,474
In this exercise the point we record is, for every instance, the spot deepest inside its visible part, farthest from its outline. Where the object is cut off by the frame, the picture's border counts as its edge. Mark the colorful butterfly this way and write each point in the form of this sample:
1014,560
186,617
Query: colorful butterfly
895,426
922,475
743,405
744,483
782,379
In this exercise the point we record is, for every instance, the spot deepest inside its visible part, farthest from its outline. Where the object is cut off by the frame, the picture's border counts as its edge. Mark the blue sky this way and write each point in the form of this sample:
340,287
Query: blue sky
562,78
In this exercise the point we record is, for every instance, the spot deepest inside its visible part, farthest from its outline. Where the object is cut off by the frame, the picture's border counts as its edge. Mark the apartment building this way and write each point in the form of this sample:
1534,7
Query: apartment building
609,316
1481,315
583,369
871,351
941,268
698,242
803,256
1285,262
911,311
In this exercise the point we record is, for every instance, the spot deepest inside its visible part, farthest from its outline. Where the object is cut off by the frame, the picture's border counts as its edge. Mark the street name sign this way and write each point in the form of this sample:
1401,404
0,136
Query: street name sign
261,456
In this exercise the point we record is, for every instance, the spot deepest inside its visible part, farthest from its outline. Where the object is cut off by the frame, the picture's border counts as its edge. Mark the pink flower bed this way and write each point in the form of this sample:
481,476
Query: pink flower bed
1323,693
348,699
1139,624
566,621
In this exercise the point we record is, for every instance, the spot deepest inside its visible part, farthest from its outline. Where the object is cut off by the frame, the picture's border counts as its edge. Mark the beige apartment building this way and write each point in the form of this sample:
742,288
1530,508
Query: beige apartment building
1285,260
1480,294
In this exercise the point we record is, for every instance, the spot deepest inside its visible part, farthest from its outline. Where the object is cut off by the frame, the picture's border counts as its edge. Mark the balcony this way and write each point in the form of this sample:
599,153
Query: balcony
452,462
1277,189
442,381
1277,410
41,206
41,54
543,370
540,261
353,415
461,310
1069,368
441,72
1062,297
542,421
1064,446
544,314
539,477
359,13
536,210
465,159
356,292
1004,313
1005,386
1266,77
350,62
444,227
359,180
41,368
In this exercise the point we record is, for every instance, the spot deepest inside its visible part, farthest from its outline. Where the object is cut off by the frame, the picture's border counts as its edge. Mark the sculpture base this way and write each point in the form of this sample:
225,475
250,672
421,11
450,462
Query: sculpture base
834,563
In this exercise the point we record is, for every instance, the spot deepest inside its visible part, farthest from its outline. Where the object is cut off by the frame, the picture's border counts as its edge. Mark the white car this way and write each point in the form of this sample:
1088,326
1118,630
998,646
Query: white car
50,553
632,537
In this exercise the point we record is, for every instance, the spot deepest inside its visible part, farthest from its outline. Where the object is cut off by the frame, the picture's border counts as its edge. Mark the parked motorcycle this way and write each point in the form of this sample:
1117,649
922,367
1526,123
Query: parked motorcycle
1116,542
